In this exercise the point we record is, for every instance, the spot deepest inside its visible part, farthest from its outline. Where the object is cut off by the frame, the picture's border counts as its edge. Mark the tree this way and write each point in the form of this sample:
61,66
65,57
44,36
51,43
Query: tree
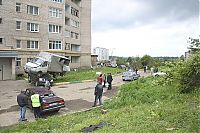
121,61
146,60
195,45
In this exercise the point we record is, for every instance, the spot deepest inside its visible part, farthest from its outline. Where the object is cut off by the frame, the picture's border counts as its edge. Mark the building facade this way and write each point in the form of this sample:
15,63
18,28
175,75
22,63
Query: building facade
103,53
59,26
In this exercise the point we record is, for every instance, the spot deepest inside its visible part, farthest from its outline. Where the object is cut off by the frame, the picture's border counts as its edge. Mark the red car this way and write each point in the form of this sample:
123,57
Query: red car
50,102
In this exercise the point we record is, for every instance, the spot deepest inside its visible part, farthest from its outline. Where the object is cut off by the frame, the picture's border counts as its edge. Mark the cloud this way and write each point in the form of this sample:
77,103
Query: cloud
128,13
139,27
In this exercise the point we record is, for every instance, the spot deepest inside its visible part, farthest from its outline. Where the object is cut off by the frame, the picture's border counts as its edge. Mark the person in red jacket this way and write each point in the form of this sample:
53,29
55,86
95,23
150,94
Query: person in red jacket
100,79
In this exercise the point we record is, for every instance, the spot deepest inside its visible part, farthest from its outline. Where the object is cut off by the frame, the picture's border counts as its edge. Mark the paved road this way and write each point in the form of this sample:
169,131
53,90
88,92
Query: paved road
78,96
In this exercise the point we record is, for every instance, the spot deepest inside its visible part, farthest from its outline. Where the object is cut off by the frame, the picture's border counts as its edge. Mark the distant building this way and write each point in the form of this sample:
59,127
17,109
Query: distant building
188,55
28,27
103,53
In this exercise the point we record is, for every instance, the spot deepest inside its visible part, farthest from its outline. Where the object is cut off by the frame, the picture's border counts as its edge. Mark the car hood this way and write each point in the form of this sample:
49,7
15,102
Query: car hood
30,64
52,99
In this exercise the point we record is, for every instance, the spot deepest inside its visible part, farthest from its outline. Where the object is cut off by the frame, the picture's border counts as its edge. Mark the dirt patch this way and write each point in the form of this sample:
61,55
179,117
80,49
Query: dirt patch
112,92
77,104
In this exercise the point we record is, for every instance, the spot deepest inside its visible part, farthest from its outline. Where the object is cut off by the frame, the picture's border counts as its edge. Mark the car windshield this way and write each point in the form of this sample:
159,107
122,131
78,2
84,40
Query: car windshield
48,95
38,61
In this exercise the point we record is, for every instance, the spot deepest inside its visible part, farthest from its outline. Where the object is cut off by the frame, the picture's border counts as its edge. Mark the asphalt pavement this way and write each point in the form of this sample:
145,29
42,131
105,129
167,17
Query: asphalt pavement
78,97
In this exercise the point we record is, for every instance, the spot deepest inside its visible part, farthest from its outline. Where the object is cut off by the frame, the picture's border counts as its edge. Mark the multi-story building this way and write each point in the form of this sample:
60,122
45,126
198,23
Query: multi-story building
103,53
58,26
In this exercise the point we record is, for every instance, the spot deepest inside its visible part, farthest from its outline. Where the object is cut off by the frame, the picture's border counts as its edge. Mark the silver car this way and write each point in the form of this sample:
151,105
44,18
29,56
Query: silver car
130,76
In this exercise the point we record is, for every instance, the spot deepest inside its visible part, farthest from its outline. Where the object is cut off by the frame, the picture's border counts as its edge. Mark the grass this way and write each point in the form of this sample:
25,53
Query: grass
140,106
86,74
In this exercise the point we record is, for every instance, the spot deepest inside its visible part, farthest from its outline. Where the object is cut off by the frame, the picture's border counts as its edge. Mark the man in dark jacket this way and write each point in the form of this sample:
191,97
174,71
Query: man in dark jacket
98,93
109,80
22,102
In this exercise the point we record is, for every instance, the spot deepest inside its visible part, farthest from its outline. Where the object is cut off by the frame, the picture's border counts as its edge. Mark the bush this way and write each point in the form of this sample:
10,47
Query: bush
190,74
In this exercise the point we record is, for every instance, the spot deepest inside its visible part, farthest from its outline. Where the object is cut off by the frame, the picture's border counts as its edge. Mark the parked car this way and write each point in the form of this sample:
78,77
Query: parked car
50,102
159,74
129,76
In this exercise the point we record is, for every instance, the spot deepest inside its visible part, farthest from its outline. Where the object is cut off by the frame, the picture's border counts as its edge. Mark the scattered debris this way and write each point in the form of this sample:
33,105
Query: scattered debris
104,111
94,127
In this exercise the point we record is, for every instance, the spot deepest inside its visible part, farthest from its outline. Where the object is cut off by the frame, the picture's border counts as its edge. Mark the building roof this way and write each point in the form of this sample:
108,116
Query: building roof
12,54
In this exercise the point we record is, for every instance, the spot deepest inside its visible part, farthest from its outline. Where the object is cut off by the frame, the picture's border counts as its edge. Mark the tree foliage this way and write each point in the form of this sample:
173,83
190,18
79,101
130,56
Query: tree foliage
121,61
190,74
146,60
194,45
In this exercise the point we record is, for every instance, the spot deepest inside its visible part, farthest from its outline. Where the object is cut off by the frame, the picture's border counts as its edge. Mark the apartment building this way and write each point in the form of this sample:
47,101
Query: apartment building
59,26
103,53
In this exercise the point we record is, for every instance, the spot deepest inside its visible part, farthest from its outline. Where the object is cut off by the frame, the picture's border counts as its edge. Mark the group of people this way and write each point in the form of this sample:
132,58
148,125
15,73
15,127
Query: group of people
36,99
102,79
23,103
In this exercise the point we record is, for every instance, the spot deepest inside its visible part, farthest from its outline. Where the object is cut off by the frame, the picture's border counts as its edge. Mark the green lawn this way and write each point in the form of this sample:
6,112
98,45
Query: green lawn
141,106
86,74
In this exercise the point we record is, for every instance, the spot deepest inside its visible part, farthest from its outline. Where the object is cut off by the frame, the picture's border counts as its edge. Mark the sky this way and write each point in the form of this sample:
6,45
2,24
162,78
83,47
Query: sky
140,27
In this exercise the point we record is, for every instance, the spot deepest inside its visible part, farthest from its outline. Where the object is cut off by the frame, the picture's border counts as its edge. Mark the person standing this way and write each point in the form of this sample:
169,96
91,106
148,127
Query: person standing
36,103
98,93
22,102
109,80
100,78
104,80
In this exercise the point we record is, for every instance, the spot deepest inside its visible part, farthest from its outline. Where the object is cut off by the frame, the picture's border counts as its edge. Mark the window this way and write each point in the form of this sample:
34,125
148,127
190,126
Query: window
54,28
74,35
18,62
18,44
1,40
32,10
74,12
74,23
75,47
32,45
1,21
18,7
0,2
75,59
58,1
18,25
55,45
54,12
67,46
32,27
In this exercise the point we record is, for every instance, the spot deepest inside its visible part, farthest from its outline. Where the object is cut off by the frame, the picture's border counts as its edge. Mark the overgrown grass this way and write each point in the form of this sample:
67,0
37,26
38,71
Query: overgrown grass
86,74
140,106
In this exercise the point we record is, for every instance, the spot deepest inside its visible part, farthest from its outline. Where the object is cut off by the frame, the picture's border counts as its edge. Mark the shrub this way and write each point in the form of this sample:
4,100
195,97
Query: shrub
190,74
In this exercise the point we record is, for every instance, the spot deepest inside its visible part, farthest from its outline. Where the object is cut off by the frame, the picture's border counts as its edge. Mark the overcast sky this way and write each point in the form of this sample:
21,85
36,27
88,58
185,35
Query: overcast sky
139,27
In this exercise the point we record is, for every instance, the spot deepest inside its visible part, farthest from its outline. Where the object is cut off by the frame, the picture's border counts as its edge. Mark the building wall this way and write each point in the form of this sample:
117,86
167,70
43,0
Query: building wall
71,46
103,53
